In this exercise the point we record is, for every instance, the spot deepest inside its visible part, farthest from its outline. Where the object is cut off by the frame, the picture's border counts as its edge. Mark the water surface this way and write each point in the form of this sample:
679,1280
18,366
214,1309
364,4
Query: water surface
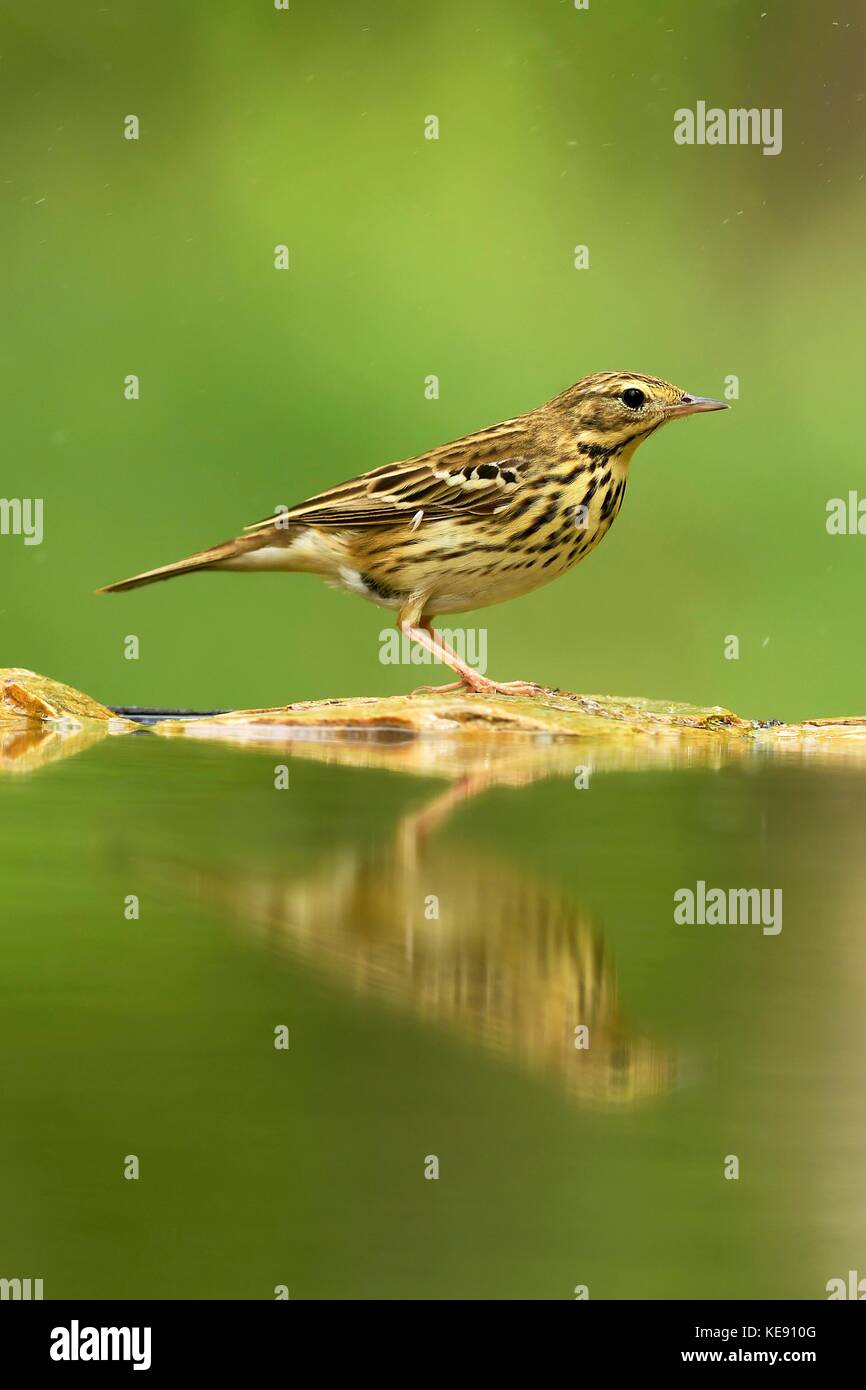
414,1034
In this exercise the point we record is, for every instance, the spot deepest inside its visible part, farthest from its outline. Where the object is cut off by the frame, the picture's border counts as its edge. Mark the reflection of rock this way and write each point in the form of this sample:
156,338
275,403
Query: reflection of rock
28,746
508,760
509,962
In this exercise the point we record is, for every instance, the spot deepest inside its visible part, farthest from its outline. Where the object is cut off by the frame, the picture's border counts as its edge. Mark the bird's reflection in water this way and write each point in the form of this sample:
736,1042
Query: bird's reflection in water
464,941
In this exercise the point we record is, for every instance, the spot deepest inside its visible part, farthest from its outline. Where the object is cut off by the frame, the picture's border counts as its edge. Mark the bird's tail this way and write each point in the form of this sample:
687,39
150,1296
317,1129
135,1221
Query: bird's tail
216,557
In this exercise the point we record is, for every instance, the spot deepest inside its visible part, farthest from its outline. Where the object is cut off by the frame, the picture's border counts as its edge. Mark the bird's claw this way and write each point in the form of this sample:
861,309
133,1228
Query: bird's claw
480,685
486,687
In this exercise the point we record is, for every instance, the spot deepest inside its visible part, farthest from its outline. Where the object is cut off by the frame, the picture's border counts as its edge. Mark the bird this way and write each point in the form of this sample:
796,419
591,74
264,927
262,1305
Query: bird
479,521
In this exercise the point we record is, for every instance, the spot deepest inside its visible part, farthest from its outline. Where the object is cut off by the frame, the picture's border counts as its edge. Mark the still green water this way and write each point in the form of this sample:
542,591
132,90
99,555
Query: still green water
413,1035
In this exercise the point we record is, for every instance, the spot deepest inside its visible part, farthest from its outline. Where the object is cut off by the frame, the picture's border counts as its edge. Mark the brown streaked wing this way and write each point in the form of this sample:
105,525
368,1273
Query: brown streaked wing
426,484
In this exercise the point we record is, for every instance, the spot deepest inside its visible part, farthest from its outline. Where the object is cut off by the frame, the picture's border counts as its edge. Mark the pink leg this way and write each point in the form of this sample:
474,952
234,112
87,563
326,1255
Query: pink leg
426,637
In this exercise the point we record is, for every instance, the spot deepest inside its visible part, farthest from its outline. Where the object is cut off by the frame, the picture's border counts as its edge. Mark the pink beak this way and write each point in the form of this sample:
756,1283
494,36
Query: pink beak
693,405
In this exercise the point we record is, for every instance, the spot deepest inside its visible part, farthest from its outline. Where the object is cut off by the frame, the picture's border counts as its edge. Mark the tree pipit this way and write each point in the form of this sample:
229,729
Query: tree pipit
479,521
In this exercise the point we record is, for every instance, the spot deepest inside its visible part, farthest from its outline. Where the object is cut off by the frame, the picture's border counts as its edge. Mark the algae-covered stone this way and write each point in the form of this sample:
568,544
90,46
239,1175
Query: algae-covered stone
551,712
26,695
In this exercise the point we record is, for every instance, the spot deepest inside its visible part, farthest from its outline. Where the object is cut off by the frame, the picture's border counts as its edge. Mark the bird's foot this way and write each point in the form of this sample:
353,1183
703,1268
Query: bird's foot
480,685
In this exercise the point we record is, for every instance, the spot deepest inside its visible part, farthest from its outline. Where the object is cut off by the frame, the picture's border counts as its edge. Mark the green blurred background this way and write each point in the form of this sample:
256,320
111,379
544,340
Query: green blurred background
411,257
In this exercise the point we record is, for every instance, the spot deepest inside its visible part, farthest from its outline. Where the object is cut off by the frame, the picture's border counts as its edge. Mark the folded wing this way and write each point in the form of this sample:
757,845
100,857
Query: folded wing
470,481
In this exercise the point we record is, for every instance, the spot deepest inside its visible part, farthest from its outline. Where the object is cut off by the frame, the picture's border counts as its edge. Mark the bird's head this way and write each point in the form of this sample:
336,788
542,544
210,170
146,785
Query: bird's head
616,410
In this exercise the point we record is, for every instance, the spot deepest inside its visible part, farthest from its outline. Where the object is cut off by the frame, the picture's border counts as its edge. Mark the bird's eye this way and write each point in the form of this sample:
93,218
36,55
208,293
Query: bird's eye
633,398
